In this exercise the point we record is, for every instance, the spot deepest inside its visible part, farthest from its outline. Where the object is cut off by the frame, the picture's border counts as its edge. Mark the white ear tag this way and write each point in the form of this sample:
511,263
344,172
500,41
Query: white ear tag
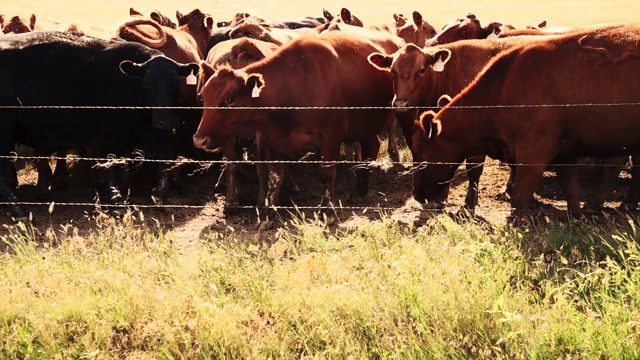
438,66
493,35
192,79
256,91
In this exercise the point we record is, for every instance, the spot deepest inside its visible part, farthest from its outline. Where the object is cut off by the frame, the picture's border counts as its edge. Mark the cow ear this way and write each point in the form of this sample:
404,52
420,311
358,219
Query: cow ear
399,19
208,23
417,18
327,15
380,61
439,59
134,12
188,69
130,68
345,15
206,71
542,24
179,16
255,84
493,30
32,22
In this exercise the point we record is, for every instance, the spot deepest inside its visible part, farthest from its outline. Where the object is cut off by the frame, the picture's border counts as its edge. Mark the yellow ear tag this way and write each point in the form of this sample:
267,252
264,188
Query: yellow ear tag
192,79
256,91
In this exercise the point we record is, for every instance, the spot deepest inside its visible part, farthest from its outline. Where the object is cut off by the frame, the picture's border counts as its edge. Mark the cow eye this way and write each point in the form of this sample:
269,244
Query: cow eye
422,70
230,100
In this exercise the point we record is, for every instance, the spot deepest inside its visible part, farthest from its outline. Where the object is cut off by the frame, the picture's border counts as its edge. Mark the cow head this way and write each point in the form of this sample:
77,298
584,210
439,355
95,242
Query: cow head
197,24
433,168
162,19
462,29
160,77
238,18
17,25
345,17
415,72
417,32
226,89
400,20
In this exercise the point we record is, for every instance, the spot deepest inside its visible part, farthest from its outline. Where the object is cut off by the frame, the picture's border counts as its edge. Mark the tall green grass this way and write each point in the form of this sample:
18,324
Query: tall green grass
381,290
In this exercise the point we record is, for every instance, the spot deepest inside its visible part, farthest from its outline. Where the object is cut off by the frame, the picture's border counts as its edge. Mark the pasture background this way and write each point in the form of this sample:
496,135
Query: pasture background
167,285
372,12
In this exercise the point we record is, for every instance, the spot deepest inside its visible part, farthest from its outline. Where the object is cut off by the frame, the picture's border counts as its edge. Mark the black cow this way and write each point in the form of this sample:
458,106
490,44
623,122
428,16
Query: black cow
62,69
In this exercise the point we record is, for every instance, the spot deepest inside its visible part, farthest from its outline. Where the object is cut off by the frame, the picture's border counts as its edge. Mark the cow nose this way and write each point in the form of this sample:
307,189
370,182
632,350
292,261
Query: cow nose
200,142
401,105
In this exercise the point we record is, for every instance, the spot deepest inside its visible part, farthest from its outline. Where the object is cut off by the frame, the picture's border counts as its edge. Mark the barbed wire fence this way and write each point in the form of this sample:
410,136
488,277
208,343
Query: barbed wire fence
203,165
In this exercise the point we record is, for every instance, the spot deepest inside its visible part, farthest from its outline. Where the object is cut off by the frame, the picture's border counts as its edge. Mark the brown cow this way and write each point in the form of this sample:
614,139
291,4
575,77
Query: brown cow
326,70
199,25
399,20
238,53
155,16
467,28
345,17
421,79
17,25
416,32
534,126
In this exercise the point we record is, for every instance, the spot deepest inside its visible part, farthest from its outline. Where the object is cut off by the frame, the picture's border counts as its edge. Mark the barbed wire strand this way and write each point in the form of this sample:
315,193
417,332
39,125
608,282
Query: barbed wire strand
115,107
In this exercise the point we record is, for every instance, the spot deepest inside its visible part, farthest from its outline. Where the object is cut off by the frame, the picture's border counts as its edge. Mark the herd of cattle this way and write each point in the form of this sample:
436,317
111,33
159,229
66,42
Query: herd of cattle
529,97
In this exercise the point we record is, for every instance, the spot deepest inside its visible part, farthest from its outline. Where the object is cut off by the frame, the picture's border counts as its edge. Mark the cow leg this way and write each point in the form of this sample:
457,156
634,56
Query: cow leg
61,173
276,177
569,180
44,176
7,196
370,148
392,140
526,181
631,202
607,173
262,169
330,151
505,193
161,190
474,166
230,170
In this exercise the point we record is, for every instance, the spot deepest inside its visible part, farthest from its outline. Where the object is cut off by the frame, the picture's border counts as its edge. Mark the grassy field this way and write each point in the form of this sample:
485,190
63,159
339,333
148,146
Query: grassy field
440,289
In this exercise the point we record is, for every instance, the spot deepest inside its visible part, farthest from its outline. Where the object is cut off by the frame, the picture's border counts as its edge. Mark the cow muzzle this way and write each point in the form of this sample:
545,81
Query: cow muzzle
401,105
205,143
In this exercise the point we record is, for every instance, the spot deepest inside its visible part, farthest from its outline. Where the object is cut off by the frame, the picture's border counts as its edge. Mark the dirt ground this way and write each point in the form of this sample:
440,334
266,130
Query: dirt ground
199,202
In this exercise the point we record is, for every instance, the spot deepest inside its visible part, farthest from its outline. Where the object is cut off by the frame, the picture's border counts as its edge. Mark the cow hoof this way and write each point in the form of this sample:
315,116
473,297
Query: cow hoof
266,225
17,214
157,200
503,196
